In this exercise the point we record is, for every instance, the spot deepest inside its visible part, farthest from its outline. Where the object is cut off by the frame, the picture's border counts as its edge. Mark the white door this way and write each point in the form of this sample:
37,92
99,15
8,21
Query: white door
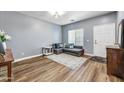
104,35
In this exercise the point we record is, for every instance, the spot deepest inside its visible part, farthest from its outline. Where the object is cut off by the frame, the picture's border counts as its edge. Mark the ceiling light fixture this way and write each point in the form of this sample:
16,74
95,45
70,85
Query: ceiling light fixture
57,14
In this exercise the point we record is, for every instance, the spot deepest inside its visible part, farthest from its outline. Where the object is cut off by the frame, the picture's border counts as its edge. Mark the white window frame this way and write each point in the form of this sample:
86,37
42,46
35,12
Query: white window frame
74,40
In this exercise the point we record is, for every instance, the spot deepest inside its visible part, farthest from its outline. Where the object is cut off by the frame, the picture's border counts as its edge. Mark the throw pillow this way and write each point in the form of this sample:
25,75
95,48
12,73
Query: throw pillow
71,46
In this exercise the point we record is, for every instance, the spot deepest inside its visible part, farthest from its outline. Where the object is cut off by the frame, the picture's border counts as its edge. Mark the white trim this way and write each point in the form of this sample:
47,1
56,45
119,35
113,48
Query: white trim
25,58
88,54
21,59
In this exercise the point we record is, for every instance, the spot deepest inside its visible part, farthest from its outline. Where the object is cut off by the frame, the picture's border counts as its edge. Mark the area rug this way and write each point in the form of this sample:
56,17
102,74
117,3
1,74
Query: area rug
73,62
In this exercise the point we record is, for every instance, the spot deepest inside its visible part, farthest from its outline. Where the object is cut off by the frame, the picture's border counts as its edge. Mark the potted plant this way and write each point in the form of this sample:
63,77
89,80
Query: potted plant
3,38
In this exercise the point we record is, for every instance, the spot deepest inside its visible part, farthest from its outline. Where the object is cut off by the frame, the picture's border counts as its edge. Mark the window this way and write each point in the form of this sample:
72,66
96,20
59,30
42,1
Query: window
71,36
76,36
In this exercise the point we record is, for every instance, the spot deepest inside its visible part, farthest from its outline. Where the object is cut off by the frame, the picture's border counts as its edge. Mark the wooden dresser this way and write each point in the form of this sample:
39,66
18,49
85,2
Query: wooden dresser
115,61
7,61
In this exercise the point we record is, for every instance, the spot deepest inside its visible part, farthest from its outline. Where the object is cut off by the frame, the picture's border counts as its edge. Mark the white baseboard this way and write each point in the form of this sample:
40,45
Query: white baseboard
88,54
25,58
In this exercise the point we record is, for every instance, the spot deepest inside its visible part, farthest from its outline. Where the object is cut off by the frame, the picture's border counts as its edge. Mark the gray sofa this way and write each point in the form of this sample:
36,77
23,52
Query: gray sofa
75,50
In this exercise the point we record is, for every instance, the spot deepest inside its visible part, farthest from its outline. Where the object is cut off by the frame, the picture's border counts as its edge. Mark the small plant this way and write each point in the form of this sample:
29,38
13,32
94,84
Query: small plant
4,37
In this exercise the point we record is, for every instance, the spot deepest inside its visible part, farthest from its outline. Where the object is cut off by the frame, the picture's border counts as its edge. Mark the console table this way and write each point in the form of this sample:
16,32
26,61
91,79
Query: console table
47,51
7,61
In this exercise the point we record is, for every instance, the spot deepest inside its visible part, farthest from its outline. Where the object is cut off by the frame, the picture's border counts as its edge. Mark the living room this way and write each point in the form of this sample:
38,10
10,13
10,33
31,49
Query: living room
59,46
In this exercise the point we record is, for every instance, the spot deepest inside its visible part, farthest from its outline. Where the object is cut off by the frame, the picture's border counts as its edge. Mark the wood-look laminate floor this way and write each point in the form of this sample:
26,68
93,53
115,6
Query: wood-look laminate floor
45,70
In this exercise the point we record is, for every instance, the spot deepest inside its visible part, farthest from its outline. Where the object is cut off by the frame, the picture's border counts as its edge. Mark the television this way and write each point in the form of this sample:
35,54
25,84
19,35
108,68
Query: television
1,48
121,34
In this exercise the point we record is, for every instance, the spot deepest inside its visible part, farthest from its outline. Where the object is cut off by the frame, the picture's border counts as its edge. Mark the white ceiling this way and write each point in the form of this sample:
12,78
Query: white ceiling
66,18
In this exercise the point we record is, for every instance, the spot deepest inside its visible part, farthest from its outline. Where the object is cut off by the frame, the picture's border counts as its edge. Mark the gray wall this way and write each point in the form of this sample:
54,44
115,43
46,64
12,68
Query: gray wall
88,25
28,34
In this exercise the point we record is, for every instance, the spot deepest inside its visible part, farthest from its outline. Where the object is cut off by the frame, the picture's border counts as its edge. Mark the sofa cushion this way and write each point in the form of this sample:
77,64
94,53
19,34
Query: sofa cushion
58,49
70,45
60,45
72,50
57,45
